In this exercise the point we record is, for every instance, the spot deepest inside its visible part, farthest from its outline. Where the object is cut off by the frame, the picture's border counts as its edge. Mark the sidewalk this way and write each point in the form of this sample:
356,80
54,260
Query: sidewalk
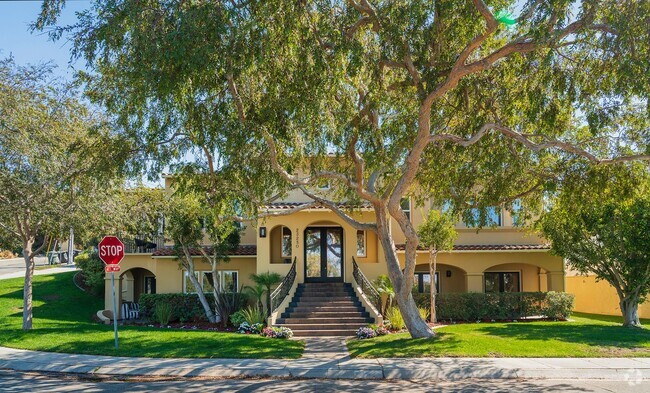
334,365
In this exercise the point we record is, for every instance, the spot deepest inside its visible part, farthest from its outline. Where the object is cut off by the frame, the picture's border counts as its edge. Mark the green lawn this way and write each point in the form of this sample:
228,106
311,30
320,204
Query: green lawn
585,335
62,323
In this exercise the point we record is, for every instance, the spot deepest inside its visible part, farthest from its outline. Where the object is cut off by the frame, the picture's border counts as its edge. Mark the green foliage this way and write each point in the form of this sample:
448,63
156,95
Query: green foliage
558,305
185,306
600,223
386,292
92,269
424,312
237,318
253,315
267,280
394,318
163,313
228,303
437,232
476,306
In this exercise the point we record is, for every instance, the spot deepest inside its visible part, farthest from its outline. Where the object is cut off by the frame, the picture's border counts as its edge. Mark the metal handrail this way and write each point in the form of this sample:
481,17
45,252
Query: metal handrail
281,292
366,286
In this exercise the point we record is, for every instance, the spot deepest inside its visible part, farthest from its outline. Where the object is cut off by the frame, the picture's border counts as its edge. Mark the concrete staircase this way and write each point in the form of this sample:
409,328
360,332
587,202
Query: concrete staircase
324,309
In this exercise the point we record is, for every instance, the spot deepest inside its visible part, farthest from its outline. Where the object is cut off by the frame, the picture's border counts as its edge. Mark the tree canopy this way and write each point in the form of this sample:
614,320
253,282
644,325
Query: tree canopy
375,97
606,232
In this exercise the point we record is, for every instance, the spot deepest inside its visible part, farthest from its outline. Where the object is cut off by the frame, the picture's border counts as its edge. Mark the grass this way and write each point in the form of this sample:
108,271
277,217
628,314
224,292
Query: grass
62,323
585,335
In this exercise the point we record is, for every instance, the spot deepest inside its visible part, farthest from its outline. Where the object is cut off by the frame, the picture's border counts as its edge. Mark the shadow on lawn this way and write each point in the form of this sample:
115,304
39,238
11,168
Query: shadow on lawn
584,333
444,343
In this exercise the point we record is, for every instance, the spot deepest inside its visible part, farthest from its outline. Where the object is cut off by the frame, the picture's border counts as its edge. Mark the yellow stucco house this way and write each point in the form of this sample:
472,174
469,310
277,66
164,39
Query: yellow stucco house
315,246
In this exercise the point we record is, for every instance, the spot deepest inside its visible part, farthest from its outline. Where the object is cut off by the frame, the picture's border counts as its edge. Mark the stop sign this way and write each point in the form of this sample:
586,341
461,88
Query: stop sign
111,250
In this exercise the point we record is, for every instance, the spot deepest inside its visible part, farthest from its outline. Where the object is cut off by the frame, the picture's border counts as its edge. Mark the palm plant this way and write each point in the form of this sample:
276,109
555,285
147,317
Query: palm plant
256,292
386,293
267,280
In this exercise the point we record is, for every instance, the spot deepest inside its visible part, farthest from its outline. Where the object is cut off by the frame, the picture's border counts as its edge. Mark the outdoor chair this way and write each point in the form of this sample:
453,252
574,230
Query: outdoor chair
130,310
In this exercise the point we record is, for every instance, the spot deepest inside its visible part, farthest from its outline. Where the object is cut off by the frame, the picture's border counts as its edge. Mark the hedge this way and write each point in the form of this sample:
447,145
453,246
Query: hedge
186,307
474,306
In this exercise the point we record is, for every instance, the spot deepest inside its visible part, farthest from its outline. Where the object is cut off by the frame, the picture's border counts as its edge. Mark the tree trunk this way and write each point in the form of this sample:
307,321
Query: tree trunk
189,266
416,326
27,288
630,310
433,259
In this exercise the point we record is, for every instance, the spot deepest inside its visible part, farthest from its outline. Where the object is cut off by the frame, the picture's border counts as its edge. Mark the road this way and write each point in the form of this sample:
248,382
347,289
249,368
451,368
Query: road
12,381
15,267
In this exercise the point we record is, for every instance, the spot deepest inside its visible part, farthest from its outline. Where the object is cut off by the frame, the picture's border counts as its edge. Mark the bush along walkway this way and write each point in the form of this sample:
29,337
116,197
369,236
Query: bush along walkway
628,370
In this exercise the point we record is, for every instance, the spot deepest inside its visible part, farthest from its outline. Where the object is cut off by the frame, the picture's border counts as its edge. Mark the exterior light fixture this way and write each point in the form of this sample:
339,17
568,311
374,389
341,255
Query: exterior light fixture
448,273
262,231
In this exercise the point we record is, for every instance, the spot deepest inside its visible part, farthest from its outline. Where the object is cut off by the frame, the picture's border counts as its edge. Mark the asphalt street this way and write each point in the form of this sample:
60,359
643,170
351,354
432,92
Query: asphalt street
17,265
12,381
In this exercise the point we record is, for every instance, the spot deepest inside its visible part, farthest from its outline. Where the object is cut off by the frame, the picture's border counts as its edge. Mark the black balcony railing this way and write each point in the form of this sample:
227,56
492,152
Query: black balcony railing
142,244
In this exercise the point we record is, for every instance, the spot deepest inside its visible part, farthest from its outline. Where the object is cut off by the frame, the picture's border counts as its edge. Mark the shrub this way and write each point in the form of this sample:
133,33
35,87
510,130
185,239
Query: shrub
163,313
92,269
185,307
381,330
247,328
424,313
6,254
277,332
366,332
558,305
499,306
394,317
237,318
228,303
253,315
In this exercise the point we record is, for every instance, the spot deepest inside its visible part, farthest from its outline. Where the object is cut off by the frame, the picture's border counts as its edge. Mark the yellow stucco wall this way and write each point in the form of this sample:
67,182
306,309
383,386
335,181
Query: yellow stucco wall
598,297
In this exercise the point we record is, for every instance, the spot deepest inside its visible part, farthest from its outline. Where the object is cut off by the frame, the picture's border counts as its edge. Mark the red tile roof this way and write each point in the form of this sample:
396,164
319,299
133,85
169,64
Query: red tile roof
490,247
242,250
291,205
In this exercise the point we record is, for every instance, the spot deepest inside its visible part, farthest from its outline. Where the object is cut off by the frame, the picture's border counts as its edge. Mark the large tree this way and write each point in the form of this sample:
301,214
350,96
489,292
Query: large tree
380,98
49,177
600,223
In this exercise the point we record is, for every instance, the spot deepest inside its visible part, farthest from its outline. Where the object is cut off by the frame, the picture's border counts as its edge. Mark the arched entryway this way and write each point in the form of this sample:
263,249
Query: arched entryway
448,278
135,282
324,259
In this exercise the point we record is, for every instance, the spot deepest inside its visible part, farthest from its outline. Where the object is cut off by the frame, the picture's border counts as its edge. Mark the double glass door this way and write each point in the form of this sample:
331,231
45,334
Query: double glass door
323,254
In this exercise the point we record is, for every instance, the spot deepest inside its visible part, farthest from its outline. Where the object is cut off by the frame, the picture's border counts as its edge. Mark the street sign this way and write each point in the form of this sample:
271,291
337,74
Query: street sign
111,250
112,268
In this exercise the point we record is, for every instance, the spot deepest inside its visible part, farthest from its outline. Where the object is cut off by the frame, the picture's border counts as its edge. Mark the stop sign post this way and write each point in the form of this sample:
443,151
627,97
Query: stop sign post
111,252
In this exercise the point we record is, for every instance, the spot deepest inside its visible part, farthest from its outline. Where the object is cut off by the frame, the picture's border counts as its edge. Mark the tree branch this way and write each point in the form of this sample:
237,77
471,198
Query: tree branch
528,143
335,208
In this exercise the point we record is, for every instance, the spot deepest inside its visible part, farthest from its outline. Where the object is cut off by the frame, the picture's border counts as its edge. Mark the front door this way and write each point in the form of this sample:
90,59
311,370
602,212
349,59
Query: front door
323,254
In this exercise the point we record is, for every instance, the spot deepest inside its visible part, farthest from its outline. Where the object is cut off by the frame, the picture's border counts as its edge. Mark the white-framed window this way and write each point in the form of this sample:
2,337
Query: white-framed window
492,218
405,204
362,238
286,242
228,281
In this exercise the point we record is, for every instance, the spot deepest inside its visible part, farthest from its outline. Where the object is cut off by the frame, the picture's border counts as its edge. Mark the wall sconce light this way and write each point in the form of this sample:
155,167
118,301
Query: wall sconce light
448,274
262,231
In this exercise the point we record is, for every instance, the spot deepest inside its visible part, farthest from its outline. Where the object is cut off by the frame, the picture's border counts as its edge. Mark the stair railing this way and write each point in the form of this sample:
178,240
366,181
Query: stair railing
365,285
281,292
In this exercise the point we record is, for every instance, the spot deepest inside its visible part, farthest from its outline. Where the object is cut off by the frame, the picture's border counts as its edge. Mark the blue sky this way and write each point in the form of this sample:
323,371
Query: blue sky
33,48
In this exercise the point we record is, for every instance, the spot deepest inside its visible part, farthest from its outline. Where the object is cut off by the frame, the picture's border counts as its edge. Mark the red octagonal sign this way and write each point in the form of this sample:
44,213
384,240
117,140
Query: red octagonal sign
111,250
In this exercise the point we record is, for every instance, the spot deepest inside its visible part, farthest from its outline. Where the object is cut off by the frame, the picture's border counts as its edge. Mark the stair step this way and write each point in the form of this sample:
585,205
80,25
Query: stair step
324,333
325,314
312,320
323,326
325,309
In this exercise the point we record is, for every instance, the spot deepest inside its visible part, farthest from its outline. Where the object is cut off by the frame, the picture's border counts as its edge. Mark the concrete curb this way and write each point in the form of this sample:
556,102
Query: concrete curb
448,369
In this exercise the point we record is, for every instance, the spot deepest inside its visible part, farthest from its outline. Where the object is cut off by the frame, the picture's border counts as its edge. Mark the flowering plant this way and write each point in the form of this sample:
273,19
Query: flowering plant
277,332
366,332
247,328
